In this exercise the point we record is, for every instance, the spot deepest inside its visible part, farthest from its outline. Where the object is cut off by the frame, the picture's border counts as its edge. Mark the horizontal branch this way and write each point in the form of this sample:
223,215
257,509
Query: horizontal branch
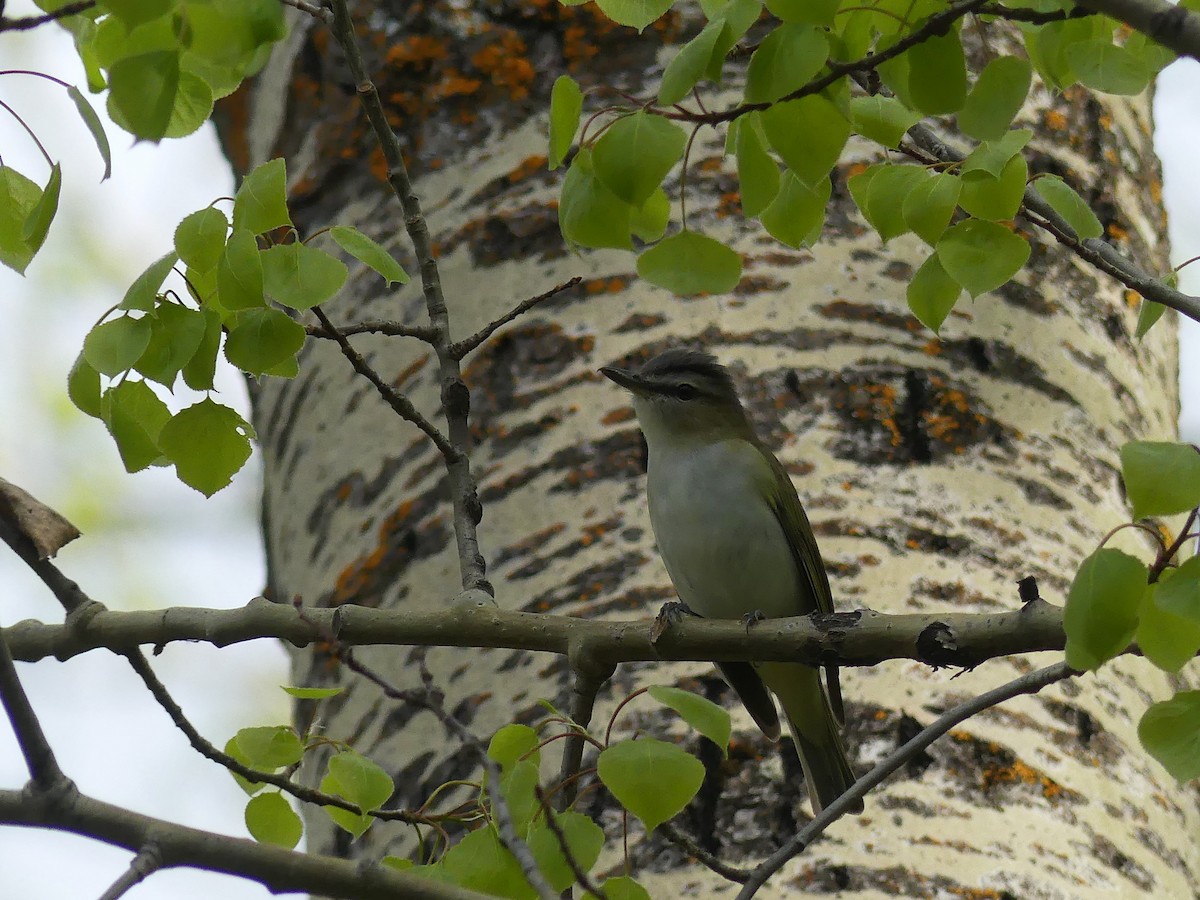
1168,24
426,333
279,870
859,638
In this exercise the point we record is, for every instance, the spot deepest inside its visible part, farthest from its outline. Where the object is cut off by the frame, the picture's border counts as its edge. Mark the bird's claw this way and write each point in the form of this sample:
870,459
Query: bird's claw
752,618
672,613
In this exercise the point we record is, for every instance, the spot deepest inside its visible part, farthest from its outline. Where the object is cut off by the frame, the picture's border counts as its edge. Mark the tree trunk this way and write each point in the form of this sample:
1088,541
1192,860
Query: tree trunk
937,472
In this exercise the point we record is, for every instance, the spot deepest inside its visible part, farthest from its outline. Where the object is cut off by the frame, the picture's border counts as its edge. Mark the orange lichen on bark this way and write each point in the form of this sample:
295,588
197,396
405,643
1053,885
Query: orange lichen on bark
1055,120
507,64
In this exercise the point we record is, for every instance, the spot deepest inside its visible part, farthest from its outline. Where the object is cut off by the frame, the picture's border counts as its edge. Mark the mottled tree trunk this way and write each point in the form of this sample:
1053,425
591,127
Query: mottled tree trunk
936,472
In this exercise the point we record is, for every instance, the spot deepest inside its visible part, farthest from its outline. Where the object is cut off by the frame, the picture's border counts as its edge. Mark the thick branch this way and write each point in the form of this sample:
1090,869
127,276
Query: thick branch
859,638
1170,25
280,871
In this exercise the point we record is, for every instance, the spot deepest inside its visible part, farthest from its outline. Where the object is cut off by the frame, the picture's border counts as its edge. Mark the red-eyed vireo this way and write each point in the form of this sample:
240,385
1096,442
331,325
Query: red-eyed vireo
736,542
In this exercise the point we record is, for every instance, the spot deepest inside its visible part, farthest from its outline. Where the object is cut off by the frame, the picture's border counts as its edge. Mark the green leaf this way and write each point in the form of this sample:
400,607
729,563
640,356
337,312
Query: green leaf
929,206
240,272
937,74
706,717
176,333
997,199
135,12
19,196
260,339
624,888
37,223
311,693
270,819
686,68
511,743
208,443
566,104
113,347
92,121
518,786
200,238
808,134
1049,45
269,747
232,749
480,862
992,156
369,252
1166,639
652,779
143,293
797,214
688,263
738,16
134,417
584,840
355,823
1170,732
1149,312
300,276
83,387
786,59
814,12
881,196
635,154
932,293
634,13
649,221
1161,478
193,105
1068,204
881,119
199,370
981,255
589,214
359,780
999,92
261,202
758,173
141,92
1103,66
1102,608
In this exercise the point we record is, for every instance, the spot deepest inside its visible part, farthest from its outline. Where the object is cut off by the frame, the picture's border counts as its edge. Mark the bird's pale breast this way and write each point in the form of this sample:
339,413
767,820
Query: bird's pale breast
722,544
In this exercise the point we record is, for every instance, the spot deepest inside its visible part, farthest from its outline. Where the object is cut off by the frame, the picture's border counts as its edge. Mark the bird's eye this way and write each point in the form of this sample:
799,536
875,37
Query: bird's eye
685,391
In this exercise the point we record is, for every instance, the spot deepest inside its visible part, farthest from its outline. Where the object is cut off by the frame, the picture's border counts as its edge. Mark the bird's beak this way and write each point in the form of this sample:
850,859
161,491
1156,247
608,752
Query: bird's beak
628,380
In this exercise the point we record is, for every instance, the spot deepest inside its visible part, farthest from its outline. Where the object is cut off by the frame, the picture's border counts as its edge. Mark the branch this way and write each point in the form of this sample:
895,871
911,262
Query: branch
43,768
859,638
1170,25
379,326
402,405
455,397
278,870
27,23
1026,684
459,349
146,863
1095,251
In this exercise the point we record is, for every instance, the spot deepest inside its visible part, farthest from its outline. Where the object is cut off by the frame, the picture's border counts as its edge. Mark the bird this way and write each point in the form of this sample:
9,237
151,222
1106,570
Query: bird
737,544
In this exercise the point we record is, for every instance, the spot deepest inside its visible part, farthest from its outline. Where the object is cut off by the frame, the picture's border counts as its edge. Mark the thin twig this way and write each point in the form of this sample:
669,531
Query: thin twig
317,12
67,592
146,863
39,757
306,794
402,405
459,349
376,326
684,841
1026,684
27,23
455,397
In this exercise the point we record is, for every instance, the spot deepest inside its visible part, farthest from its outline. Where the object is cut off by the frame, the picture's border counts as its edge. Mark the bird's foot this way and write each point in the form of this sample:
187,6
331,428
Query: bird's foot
672,613
752,618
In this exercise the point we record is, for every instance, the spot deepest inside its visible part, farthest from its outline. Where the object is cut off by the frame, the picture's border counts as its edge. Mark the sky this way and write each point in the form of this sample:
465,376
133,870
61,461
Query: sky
152,542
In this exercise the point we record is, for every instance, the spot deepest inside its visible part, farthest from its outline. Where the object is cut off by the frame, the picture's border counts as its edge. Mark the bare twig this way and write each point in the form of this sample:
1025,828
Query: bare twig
455,397
459,349
66,591
1026,684
1033,16
146,863
684,841
317,12
381,326
43,768
397,401
27,23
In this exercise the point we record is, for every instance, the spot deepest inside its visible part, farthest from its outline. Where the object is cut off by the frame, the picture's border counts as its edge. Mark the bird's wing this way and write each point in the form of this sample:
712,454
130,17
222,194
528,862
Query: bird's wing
747,684
785,503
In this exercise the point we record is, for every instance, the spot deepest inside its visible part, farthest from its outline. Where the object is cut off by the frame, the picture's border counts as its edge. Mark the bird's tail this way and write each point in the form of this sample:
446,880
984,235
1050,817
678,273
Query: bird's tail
814,729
